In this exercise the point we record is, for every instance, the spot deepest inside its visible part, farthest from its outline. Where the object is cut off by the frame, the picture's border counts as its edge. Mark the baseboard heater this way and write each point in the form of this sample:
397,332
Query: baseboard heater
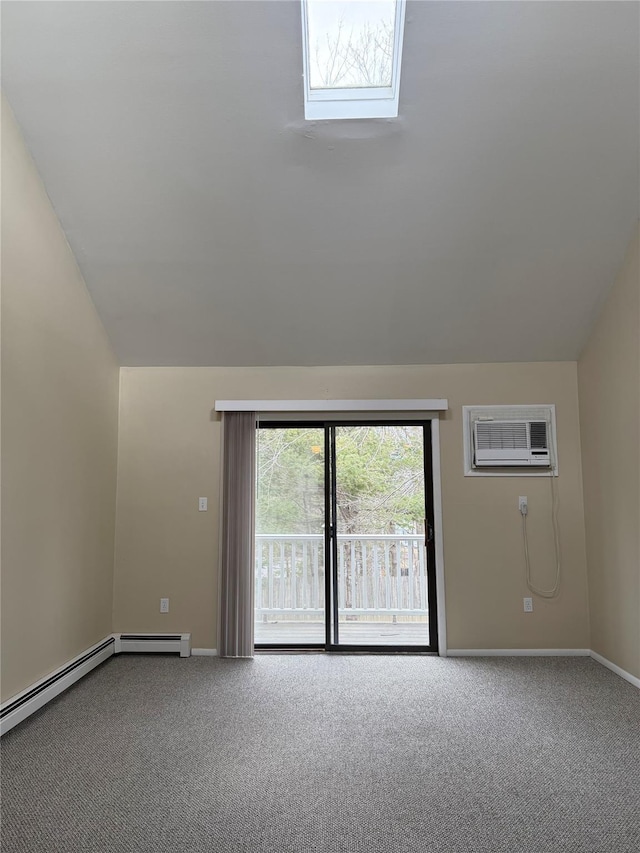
23,704
153,643
30,700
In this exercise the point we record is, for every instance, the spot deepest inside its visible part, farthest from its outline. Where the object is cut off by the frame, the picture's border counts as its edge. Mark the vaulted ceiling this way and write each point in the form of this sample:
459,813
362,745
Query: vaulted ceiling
214,226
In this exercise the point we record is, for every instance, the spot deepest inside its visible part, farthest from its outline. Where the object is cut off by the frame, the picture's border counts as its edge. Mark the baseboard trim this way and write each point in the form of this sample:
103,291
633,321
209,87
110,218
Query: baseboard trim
28,701
617,669
481,653
153,643
25,703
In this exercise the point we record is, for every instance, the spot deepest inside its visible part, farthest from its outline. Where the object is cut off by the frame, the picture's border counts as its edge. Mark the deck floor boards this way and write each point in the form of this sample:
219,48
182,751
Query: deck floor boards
350,633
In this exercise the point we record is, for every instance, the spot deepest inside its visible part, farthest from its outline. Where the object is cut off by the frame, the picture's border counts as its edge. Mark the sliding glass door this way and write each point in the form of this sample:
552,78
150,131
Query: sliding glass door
345,555
290,537
381,560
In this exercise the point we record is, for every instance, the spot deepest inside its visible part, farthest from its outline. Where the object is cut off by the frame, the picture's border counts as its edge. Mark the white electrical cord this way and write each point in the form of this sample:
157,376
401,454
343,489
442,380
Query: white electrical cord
544,593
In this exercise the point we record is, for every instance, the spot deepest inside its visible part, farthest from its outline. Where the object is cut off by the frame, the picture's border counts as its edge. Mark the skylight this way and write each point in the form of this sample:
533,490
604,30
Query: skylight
351,55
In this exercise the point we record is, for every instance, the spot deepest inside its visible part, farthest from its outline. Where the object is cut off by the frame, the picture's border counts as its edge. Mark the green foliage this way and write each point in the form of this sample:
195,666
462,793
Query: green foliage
379,480
290,488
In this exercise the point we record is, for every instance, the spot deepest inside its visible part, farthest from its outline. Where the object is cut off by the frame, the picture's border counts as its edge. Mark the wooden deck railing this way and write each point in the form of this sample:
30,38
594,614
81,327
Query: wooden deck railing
376,574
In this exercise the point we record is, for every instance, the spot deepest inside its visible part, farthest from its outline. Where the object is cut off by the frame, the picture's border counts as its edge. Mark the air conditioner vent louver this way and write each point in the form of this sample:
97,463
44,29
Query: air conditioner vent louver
539,435
501,436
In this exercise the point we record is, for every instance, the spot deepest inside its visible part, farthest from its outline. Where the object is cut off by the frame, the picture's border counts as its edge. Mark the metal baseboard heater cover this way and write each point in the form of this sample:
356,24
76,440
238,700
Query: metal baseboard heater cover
25,703
153,643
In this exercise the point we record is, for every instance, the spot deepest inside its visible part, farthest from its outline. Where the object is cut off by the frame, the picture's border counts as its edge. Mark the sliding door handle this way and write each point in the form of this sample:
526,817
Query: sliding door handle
428,532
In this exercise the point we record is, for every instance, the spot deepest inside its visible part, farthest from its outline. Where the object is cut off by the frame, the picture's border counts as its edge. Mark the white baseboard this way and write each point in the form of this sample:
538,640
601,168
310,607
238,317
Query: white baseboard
518,653
25,703
617,669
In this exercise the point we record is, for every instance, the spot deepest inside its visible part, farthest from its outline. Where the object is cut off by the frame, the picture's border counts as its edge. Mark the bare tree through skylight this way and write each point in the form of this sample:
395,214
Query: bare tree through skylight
351,43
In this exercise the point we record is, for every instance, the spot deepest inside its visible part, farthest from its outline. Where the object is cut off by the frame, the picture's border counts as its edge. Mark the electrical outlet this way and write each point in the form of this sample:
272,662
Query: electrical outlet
164,605
523,504
202,504
528,605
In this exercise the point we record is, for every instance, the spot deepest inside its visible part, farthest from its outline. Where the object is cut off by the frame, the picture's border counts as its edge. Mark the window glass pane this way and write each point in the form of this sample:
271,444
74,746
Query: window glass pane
290,564
382,580
350,43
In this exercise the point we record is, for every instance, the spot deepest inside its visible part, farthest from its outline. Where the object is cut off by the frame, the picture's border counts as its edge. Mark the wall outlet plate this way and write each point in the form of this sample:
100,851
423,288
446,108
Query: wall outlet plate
202,504
164,605
528,605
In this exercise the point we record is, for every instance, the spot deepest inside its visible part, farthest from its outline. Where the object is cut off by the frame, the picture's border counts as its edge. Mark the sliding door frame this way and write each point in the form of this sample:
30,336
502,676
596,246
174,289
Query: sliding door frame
330,542
433,537
311,647
427,458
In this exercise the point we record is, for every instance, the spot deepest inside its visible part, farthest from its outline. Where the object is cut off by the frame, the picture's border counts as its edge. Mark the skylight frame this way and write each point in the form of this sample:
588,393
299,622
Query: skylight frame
356,102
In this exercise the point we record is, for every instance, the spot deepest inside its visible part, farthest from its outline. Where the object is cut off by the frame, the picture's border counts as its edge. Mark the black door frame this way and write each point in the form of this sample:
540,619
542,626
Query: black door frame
331,542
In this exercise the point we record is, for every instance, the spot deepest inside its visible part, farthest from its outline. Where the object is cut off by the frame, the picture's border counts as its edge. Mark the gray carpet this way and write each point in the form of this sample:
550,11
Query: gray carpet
329,754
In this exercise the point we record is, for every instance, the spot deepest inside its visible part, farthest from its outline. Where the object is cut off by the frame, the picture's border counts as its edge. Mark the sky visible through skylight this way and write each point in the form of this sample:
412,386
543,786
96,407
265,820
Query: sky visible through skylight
350,43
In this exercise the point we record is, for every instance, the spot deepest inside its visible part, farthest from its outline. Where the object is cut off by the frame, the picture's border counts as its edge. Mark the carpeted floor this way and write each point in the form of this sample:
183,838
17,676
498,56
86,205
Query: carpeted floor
332,754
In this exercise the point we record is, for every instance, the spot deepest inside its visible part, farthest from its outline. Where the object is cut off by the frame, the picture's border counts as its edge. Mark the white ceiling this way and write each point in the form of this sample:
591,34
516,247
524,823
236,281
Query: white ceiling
214,226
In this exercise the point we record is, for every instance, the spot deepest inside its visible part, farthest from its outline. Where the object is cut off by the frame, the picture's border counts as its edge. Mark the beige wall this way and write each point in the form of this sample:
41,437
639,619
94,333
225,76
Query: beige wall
59,437
169,456
609,383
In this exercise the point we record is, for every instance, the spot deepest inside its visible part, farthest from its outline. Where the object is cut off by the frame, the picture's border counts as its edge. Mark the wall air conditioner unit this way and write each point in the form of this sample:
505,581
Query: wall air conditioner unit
511,443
